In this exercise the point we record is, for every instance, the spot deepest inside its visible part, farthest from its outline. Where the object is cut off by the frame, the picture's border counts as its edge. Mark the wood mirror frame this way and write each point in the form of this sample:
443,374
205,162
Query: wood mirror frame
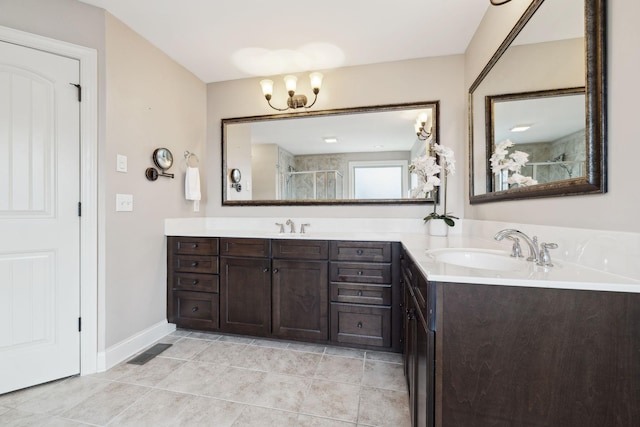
594,180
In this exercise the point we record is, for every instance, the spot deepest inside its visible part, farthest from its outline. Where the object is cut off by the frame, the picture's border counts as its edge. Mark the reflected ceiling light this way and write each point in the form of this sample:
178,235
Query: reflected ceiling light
520,128
294,101
421,127
499,2
331,140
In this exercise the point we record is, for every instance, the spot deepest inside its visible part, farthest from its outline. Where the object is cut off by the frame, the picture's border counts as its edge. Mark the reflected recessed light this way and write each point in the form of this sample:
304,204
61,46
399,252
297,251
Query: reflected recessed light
331,140
520,128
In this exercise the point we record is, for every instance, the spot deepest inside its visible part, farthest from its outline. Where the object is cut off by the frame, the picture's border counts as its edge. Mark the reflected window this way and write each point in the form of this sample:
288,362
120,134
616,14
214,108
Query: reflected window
378,180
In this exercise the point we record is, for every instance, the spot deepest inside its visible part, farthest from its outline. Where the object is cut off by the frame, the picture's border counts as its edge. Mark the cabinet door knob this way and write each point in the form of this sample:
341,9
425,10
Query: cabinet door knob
359,251
275,270
265,270
194,309
359,325
359,293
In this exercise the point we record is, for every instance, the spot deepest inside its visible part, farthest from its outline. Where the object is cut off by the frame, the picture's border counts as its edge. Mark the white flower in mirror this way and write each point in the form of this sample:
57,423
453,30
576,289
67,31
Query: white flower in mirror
501,160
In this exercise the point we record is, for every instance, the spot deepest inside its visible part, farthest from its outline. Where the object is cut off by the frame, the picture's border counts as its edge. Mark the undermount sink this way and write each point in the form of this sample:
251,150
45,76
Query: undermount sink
485,259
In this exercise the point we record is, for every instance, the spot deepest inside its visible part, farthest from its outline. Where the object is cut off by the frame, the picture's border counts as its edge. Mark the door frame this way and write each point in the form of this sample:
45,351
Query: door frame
89,279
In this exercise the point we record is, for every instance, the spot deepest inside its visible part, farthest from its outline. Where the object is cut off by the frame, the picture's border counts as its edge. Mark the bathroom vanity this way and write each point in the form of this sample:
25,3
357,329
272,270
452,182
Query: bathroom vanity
490,355
514,344
339,292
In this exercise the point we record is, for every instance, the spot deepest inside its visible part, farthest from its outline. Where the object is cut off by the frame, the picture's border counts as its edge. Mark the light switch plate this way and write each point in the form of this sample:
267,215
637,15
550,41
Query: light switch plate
121,163
124,202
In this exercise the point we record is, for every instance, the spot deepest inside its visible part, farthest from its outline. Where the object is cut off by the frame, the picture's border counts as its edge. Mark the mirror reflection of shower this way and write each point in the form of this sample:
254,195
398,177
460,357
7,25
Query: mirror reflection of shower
559,160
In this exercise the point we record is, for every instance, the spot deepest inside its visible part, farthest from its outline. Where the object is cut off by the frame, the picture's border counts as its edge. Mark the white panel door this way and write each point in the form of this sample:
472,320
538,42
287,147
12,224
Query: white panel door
39,223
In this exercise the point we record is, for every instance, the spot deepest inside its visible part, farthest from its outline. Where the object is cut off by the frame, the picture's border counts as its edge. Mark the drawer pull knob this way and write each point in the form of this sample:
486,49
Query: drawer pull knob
359,273
195,282
359,293
359,325
359,251
194,264
194,309
194,246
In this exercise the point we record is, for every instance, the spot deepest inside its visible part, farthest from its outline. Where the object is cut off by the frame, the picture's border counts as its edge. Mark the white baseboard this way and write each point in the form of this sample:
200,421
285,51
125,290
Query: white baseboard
134,344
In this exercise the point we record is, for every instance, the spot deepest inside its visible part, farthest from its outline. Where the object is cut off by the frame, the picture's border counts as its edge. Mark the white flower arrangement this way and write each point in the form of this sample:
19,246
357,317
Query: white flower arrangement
427,169
501,160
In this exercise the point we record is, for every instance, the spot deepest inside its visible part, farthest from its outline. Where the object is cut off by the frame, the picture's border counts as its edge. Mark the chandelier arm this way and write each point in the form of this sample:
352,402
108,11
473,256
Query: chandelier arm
276,108
314,101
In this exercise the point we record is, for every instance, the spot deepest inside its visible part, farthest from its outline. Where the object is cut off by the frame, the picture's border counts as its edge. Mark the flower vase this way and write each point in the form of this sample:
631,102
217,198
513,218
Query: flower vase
437,227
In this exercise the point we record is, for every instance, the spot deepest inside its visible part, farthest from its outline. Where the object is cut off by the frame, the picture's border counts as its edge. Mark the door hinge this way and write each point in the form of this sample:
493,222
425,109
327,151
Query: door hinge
79,91
79,208
79,324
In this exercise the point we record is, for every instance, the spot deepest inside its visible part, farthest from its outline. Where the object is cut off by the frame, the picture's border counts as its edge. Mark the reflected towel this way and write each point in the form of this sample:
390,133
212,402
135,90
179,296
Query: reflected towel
192,184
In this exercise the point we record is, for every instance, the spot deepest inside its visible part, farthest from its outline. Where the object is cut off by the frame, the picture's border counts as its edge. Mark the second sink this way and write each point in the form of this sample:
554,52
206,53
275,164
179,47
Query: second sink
485,259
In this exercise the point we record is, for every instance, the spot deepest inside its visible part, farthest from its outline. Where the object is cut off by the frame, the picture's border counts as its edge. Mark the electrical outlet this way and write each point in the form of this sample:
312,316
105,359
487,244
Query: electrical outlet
121,163
124,202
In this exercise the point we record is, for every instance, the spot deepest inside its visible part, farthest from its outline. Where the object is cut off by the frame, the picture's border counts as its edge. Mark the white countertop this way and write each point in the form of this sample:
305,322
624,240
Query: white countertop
563,275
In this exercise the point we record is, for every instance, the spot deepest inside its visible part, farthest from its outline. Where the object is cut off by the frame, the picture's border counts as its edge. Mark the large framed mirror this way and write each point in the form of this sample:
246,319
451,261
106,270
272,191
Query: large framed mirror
346,156
537,111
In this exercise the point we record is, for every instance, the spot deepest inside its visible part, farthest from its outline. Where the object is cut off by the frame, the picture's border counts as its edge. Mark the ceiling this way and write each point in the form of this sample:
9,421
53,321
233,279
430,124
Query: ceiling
227,40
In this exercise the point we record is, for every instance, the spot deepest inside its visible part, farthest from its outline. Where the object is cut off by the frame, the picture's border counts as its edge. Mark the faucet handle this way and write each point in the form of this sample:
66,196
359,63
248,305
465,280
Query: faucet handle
293,226
281,227
302,228
545,257
516,249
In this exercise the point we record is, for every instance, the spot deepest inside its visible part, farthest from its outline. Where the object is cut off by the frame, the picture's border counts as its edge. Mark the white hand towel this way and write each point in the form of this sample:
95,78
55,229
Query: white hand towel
192,184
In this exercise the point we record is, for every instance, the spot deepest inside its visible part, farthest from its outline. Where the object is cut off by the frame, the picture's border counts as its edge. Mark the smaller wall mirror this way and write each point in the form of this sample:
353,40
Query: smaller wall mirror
162,158
544,91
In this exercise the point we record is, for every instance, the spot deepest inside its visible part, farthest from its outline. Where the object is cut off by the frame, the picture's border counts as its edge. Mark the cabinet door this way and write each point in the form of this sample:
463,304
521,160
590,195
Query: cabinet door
300,299
245,296
424,373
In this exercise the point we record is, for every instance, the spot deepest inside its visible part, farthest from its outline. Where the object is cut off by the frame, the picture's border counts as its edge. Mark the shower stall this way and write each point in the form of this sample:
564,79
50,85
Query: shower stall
312,185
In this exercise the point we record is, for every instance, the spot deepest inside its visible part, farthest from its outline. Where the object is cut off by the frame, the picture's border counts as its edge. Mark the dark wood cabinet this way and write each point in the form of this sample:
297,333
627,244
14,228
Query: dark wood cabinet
193,282
300,289
245,292
538,357
300,300
365,294
312,290
419,350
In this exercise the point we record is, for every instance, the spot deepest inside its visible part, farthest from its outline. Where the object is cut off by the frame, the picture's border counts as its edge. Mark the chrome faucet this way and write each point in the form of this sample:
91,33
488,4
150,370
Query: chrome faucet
292,225
532,243
539,255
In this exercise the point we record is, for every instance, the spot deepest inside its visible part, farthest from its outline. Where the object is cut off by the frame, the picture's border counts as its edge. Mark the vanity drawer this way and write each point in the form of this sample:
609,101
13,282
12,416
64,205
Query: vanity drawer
196,282
300,249
360,272
361,294
198,310
361,251
361,324
195,264
193,245
253,248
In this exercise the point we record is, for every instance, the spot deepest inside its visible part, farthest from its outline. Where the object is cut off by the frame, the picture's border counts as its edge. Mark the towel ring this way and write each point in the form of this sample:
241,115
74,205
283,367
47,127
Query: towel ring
191,159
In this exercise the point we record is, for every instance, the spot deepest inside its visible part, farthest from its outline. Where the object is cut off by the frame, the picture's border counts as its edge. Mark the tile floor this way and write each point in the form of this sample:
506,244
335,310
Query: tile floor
219,380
